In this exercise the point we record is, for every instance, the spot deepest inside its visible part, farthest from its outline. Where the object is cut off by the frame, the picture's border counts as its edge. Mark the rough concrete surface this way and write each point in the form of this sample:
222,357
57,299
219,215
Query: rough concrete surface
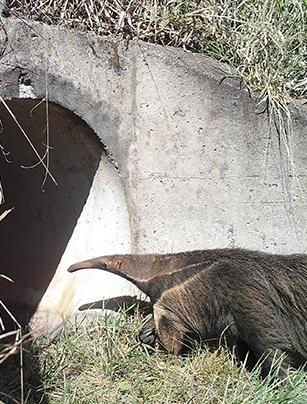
198,165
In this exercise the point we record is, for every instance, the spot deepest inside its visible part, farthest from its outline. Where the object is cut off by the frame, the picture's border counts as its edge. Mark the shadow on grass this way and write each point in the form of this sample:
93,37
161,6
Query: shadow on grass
124,304
11,378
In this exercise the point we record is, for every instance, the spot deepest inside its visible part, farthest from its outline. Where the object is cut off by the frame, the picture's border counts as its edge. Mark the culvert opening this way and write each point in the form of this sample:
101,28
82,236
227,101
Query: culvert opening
34,236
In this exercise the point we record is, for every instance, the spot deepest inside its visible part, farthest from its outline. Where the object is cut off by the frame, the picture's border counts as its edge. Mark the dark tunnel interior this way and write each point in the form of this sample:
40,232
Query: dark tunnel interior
34,235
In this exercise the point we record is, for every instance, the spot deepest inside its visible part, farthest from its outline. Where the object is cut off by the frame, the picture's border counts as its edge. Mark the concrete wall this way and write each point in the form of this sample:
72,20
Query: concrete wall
199,167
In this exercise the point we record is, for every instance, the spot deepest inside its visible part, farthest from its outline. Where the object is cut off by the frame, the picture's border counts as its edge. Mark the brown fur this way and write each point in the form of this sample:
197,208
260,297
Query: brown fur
255,301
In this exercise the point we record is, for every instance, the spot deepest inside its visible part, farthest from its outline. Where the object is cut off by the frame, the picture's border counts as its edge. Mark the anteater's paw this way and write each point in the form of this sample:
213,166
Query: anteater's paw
147,333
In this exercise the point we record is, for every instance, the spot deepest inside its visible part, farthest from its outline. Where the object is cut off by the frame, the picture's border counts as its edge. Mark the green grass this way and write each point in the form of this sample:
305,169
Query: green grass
103,363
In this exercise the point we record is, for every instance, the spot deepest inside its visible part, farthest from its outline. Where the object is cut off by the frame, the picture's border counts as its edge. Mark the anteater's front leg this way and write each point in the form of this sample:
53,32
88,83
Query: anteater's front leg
170,330
164,328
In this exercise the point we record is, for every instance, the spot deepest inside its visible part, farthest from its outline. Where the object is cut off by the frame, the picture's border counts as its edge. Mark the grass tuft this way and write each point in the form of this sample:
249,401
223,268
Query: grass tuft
265,40
103,363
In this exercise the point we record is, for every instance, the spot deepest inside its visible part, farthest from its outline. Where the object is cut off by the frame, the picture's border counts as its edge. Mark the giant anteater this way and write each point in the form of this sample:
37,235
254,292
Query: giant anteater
255,301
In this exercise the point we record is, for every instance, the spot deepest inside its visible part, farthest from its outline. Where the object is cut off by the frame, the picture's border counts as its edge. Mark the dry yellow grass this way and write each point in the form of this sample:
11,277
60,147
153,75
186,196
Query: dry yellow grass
265,41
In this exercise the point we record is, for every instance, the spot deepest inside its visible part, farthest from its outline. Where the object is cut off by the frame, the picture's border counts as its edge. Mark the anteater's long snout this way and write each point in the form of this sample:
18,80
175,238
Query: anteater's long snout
87,265
120,265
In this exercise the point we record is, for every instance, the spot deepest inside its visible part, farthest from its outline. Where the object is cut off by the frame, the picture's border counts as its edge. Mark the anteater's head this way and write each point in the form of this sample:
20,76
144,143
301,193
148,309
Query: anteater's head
136,268
151,273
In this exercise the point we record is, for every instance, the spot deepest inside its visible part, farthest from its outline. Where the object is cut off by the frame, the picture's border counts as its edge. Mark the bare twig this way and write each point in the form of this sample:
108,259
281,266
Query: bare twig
12,348
19,338
47,129
2,216
28,140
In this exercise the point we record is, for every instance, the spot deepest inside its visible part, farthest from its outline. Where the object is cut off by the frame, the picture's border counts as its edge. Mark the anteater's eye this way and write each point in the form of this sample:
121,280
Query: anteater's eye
118,264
